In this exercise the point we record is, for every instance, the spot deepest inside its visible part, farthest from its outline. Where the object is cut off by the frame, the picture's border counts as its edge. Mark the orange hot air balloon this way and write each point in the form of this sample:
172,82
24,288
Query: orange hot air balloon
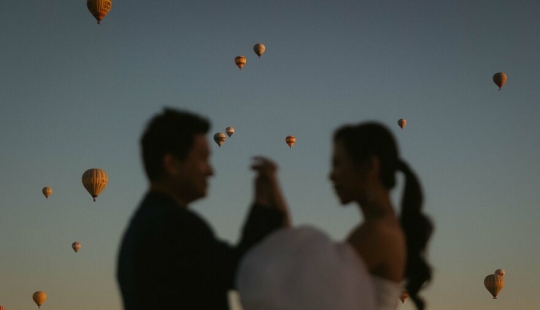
39,298
220,138
95,180
229,131
99,8
494,284
76,246
47,191
500,78
240,61
500,272
2,308
259,49
402,123
290,140
404,296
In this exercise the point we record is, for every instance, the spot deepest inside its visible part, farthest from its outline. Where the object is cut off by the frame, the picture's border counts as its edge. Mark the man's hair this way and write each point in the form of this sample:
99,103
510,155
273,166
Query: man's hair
171,132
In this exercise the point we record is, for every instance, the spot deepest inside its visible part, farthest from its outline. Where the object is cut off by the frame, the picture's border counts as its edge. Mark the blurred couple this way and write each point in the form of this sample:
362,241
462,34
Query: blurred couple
170,257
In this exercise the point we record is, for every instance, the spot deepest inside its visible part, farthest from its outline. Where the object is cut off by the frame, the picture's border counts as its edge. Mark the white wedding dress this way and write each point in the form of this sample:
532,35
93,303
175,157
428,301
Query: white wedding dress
303,269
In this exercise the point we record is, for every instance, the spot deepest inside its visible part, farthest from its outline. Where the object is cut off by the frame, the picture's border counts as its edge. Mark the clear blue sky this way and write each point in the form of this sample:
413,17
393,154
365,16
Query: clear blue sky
76,95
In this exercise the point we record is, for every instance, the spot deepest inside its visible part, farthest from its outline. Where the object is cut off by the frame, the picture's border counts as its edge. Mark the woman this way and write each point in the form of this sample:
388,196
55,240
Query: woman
364,164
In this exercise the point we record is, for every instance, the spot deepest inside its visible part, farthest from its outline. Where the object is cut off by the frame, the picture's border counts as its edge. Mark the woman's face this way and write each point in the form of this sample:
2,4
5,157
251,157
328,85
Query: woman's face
348,178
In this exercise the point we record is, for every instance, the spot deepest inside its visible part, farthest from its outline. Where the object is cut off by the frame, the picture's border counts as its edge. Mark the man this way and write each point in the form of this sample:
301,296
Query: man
170,257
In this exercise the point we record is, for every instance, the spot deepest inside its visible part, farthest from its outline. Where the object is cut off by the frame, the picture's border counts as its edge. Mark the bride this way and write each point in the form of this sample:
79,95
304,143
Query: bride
301,268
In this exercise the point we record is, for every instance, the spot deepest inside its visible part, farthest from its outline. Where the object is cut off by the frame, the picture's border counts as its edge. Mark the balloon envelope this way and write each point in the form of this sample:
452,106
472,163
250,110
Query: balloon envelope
220,138
500,272
240,61
402,123
39,298
290,140
499,79
76,246
99,8
47,191
95,180
2,308
229,131
494,284
259,49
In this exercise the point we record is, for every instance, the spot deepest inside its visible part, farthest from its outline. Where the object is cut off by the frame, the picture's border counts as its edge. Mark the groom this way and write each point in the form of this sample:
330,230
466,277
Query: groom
169,257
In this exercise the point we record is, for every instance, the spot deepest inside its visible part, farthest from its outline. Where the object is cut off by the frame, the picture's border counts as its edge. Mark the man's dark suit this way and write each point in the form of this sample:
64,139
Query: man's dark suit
171,259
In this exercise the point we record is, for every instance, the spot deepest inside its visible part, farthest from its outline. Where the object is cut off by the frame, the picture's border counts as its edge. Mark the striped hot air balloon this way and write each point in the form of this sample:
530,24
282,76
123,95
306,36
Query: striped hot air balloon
76,246
39,298
494,284
290,140
404,296
240,61
2,308
95,180
99,8
47,191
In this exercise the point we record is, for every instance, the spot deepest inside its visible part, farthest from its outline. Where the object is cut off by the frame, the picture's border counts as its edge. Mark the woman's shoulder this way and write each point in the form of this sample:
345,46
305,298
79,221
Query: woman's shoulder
376,234
381,246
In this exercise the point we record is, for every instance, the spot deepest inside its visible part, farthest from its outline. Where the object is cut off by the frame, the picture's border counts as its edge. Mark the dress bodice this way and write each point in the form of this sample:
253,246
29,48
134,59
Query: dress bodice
303,269
387,293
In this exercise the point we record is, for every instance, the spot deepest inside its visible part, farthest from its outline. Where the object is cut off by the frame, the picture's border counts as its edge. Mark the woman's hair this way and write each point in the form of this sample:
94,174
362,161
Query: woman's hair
373,139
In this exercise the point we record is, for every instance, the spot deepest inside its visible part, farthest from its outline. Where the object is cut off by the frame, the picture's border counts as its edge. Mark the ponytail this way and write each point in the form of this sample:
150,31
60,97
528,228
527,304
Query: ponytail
417,228
366,139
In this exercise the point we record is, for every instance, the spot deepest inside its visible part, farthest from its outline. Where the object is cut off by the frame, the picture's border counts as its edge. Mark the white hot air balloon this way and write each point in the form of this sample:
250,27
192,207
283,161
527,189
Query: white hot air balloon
259,49
500,272
220,138
229,131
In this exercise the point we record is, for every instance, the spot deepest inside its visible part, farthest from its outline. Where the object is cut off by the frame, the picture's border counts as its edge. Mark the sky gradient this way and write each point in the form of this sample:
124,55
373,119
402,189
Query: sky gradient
76,95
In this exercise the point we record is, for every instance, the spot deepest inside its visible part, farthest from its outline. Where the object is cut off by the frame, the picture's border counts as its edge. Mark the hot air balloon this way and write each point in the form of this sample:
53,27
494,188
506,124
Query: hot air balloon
494,284
39,298
499,78
220,138
404,296
402,123
2,308
240,61
99,8
76,246
290,140
47,191
500,272
259,49
94,180
229,131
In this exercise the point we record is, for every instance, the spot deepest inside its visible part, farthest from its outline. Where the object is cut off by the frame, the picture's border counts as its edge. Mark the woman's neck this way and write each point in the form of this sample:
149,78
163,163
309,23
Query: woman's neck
377,205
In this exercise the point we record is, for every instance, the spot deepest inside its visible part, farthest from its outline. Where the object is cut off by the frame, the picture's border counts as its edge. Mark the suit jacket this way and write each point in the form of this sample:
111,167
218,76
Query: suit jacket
170,258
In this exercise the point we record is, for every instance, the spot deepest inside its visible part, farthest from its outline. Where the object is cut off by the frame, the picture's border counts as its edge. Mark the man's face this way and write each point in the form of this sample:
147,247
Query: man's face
194,170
